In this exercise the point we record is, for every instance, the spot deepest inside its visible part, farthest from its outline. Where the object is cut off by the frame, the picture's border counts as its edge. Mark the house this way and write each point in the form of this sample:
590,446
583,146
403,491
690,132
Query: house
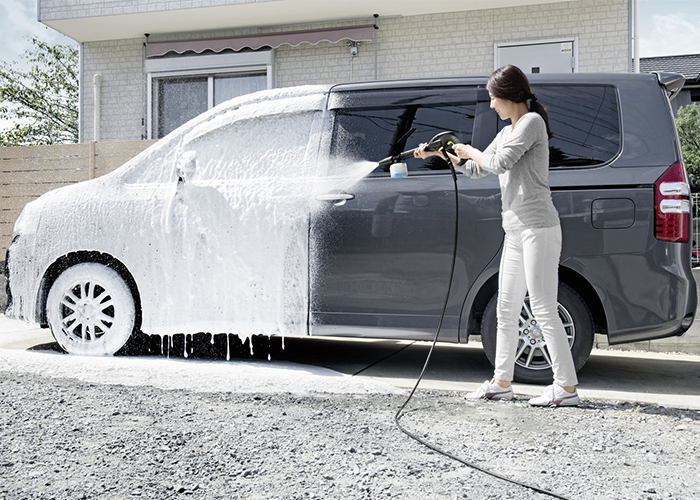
686,65
149,66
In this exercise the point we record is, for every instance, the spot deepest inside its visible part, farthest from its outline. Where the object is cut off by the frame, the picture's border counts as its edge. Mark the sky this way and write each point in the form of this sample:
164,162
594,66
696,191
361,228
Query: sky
17,24
668,27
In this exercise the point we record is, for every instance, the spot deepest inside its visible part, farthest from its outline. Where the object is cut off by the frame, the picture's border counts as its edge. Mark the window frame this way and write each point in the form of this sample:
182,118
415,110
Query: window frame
209,66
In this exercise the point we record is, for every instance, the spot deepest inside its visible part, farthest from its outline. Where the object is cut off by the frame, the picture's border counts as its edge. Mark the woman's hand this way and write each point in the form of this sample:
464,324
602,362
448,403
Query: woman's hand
468,152
420,151
463,150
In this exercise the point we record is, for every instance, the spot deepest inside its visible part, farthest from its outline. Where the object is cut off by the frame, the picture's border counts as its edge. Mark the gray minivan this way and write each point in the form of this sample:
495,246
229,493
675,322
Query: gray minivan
368,254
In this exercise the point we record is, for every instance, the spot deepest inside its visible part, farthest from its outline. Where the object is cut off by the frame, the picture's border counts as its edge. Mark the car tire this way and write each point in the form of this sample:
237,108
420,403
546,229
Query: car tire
532,363
91,310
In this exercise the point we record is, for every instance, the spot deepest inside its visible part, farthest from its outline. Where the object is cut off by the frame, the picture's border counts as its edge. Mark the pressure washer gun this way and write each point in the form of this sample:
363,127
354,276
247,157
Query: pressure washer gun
442,142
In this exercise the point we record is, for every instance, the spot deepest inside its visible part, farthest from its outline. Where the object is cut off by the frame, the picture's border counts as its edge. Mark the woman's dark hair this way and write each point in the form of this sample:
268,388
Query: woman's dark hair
510,83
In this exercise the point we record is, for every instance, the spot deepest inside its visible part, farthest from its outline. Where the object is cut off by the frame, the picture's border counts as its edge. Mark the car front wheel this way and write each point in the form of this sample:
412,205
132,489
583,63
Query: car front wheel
532,360
90,310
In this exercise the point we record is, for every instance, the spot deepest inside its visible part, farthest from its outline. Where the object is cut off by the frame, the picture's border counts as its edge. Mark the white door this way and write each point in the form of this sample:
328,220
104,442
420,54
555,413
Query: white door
538,57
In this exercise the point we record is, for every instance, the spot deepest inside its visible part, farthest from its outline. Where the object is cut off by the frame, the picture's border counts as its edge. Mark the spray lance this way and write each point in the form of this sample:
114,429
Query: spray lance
442,142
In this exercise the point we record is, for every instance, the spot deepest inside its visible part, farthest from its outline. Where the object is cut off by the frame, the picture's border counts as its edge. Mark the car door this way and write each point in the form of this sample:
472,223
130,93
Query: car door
382,248
224,243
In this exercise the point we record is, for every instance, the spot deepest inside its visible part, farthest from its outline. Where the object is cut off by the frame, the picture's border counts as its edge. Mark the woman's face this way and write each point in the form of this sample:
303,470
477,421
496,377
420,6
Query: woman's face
502,106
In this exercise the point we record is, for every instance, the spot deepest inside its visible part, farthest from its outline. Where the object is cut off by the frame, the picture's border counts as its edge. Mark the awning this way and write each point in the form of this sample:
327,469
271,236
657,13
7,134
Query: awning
272,40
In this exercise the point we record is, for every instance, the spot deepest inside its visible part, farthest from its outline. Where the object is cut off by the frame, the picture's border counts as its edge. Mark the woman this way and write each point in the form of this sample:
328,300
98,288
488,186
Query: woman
519,155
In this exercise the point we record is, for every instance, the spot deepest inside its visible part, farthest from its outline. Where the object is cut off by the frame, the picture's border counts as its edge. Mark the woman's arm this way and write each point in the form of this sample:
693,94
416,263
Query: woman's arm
475,158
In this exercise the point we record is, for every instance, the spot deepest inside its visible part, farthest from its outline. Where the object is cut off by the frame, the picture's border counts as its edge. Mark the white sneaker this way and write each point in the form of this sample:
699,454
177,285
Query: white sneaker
491,391
555,395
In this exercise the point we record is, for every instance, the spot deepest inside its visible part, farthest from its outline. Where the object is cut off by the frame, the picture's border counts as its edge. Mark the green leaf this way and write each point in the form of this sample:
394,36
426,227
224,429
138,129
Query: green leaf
42,102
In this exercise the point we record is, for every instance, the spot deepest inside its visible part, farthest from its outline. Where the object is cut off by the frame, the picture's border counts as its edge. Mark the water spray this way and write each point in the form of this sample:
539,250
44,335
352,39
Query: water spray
443,143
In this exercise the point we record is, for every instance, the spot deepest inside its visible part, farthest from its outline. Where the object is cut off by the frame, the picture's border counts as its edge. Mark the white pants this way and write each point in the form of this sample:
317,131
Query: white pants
530,262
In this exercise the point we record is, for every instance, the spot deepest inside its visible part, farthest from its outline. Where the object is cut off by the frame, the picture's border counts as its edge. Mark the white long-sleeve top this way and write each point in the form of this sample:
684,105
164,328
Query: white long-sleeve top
520,157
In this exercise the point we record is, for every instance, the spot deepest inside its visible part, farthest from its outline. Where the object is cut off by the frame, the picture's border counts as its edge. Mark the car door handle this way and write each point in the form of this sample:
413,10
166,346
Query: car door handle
335,197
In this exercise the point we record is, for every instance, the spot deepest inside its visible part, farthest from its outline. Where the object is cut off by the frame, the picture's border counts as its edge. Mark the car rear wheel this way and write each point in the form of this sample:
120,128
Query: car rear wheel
91,310
532,359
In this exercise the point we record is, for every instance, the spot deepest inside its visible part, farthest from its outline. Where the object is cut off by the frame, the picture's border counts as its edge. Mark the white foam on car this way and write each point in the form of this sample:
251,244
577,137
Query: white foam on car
225,250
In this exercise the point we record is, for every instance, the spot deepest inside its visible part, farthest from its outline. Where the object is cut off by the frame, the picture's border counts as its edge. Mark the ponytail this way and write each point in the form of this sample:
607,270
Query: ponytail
540,110
510,83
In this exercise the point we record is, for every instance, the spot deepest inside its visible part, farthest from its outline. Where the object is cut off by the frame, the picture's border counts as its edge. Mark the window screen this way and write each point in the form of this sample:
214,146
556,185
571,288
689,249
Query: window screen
177,101
230,86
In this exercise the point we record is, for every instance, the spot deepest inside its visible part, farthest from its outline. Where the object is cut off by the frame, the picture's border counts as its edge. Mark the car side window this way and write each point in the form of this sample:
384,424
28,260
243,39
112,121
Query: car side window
585,121
370,131
252,149
153,166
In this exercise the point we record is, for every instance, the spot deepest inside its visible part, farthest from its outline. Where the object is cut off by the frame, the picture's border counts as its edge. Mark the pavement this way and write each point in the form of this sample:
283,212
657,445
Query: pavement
665,379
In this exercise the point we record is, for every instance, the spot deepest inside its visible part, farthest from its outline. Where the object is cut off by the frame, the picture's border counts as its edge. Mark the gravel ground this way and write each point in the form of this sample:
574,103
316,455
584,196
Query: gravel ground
65,439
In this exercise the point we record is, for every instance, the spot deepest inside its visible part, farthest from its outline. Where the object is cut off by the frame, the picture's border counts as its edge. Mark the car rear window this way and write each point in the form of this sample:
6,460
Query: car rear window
585,121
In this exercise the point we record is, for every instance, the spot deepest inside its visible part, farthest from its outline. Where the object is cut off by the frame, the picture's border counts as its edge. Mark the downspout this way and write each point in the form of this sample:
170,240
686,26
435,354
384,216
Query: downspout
630,39
97,82
145,101
636,36
81,94
376,27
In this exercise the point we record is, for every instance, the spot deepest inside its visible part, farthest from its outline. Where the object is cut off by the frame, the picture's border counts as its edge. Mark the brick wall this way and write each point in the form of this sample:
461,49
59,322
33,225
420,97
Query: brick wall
407,47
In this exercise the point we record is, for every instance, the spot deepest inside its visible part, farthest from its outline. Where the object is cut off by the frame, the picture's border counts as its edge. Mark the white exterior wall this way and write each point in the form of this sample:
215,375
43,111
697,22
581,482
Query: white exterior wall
123,97
463,43
459,43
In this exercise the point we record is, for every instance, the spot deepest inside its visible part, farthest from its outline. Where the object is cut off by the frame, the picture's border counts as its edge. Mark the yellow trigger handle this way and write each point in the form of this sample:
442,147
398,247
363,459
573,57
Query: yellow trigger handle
449,143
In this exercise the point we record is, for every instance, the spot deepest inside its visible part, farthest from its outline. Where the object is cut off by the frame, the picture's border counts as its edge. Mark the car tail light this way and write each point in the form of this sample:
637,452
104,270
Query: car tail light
672,204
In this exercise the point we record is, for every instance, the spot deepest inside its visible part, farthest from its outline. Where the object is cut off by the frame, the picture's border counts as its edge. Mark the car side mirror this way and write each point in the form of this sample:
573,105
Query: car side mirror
186,166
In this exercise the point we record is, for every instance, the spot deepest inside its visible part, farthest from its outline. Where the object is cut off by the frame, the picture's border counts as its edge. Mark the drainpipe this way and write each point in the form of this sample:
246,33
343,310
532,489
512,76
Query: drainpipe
376,27
81,96
636,36
97,82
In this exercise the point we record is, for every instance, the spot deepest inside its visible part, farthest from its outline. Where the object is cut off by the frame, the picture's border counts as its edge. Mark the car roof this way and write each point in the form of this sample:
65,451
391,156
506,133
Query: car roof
535,79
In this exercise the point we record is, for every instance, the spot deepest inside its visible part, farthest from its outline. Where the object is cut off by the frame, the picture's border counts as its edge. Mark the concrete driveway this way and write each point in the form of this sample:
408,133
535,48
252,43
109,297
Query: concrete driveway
666,379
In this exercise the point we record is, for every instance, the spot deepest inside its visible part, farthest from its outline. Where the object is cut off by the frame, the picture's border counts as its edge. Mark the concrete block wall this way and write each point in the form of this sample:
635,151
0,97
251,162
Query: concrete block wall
407,47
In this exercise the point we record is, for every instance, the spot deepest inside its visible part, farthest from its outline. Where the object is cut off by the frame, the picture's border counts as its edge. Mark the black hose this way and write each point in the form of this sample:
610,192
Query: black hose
397,416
